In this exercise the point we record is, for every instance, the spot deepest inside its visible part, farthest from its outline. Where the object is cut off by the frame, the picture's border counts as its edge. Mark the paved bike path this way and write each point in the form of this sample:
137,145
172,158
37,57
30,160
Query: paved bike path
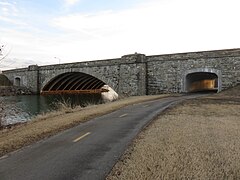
87,151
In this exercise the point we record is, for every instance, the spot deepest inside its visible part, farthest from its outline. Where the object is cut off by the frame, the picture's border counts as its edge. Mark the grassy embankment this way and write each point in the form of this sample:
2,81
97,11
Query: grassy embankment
47,125
198,139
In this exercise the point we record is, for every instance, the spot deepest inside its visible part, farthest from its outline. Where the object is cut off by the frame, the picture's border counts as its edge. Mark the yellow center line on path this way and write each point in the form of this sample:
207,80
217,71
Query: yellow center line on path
146,105
79,138
123,115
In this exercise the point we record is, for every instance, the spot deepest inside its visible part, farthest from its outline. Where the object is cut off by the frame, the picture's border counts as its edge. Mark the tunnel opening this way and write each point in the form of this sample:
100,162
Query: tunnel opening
206,82
74,83
17,81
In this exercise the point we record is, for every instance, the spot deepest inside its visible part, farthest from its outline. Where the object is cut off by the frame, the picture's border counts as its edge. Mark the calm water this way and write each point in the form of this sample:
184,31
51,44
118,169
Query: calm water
16,109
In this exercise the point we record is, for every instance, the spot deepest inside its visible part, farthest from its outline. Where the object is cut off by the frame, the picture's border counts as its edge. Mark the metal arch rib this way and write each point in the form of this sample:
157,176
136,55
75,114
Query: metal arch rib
94,85
88,84
58,79
73,82
98,85
83,78
79,87
65,82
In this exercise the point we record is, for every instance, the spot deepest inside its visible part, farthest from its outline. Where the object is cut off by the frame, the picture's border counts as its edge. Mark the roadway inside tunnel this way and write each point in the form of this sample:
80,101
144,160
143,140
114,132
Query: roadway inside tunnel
201,82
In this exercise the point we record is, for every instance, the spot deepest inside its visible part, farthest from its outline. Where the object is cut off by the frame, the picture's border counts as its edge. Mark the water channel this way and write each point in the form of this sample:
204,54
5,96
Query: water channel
17,109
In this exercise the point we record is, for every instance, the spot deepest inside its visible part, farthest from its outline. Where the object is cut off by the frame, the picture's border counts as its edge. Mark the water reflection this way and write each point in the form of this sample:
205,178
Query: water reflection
15,109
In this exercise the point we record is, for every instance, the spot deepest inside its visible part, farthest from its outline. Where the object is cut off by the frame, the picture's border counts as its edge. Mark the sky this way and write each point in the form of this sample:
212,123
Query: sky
46,32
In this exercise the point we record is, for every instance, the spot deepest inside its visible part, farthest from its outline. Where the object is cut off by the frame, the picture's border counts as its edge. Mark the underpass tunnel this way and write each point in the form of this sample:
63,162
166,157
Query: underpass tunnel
201,82
73,83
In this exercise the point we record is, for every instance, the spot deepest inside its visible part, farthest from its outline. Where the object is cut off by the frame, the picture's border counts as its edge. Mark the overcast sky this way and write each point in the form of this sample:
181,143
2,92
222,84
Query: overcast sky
48,31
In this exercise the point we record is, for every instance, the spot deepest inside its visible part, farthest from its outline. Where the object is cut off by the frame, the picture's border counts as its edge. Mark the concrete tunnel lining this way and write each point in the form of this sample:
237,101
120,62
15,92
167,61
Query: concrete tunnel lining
202,75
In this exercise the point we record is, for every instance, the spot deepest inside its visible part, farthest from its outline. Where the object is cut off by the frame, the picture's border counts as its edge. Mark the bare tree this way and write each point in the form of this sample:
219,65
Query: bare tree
4,51
1,50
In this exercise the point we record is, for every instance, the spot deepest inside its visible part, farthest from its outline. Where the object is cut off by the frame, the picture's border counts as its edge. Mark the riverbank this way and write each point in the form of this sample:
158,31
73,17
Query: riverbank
198,139
47,125
13,91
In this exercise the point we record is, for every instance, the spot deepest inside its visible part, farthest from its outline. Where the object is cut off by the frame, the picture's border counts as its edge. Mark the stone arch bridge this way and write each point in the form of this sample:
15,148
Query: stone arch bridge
136,74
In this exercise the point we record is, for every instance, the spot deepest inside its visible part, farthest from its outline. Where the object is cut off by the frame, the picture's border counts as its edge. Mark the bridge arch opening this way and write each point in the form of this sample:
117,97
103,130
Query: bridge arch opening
202,82
4,81
74,83
17,81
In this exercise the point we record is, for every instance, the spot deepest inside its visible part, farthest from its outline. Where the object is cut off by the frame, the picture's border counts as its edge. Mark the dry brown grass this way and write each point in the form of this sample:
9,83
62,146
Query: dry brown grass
49,124
198,140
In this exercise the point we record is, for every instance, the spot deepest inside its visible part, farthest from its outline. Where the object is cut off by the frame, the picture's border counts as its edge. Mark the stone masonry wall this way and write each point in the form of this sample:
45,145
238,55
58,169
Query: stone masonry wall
29,77
137,74
125,75
133,75
166,72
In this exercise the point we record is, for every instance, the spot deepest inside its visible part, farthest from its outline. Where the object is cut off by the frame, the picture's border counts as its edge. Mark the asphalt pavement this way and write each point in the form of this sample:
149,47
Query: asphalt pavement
87,151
